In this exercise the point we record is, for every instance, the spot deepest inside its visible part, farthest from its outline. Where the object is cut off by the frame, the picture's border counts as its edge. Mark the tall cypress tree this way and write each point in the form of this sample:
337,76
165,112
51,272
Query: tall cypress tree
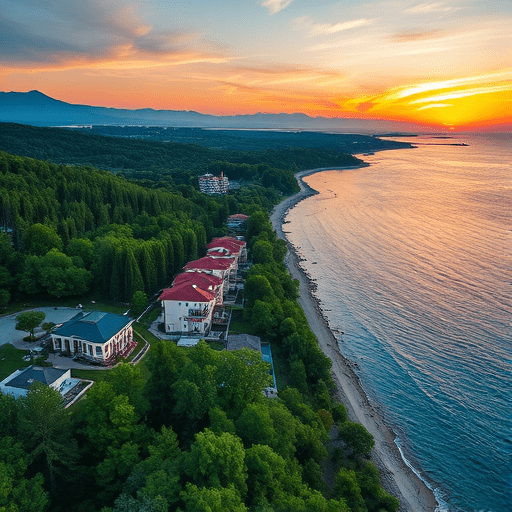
133,277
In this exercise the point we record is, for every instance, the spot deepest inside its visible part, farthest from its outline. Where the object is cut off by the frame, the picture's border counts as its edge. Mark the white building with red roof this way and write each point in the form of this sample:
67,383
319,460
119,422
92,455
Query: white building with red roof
187,309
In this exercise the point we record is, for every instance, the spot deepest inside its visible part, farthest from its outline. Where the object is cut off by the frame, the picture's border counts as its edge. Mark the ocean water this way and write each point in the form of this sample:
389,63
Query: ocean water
413,261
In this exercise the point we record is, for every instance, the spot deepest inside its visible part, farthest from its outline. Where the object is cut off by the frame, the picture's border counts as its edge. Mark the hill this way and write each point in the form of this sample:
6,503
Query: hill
37,109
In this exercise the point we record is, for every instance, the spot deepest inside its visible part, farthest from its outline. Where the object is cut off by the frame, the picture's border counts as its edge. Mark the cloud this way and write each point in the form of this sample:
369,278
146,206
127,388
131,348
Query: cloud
314,28
275,6
412,36
365,106
436,105
61,34
426,8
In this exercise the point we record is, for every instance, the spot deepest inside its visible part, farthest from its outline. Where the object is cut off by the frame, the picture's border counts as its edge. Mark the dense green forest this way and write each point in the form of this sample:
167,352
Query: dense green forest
77,230
177,163
190,429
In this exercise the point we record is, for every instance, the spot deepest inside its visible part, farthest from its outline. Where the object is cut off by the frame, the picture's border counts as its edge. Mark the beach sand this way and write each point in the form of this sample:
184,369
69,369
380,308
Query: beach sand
397,478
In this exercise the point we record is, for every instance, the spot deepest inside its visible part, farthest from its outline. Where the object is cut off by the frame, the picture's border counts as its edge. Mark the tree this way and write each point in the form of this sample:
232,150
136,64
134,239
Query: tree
216,461
44,425
39,239
262,252
139,303
48,326
17,493
212,499
347,487
5,297
60,276
29,320
356,437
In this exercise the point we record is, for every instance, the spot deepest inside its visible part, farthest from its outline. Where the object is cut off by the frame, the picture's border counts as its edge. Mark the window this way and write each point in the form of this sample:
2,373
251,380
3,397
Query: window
99,352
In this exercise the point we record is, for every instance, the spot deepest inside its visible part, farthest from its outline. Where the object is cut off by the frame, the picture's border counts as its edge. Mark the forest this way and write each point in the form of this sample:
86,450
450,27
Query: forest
177,162
64,228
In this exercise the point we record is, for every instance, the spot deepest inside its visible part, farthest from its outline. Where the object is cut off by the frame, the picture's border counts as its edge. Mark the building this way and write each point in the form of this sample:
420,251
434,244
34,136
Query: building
210,184
19,382
187,309
96,336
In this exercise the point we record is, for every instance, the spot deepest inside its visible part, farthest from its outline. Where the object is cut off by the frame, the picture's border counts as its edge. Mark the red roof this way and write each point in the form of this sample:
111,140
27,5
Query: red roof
207,263
240,216
187,291
226,242
207,282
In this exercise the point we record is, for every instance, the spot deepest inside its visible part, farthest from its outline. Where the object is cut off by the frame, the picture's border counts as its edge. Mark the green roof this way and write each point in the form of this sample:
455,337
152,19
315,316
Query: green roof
96,326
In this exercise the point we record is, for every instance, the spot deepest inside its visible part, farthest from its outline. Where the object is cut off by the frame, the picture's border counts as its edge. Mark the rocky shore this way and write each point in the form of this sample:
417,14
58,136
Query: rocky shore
397,478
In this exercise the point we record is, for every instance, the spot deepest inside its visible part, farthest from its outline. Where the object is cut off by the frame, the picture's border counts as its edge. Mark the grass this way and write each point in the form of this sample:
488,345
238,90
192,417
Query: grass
139,329
95,375
150,316
11,360
239,325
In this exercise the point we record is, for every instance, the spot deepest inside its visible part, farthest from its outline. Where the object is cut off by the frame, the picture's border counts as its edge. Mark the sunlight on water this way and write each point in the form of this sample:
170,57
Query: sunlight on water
414,266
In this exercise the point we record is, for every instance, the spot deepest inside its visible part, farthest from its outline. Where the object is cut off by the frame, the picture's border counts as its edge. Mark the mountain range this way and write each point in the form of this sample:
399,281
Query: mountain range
38,109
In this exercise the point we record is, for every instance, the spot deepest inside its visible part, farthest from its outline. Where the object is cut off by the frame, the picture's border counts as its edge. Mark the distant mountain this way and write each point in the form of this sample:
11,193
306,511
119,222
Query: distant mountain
35,108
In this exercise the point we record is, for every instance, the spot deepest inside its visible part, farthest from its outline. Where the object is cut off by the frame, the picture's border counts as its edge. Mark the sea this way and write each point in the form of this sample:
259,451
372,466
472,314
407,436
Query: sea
412,257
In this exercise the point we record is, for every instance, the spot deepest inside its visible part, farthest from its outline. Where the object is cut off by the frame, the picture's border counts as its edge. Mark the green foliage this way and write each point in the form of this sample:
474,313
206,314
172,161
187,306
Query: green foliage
45,428
29,320
39,239
356,437
212,499
216,461
139,303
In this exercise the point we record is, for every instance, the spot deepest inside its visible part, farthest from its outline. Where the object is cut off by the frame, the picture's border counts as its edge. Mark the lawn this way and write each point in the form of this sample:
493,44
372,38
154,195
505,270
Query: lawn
239,325
95,375
11,360
151,316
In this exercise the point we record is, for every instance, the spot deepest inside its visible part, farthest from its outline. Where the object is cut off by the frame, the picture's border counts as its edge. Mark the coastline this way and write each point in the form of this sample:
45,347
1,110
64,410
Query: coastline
397,477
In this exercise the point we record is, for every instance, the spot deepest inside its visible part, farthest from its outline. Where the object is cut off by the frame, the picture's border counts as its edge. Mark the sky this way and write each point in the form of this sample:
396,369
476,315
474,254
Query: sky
438,63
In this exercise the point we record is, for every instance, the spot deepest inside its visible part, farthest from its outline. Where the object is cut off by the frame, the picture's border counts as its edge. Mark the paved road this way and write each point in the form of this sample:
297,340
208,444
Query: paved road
8,333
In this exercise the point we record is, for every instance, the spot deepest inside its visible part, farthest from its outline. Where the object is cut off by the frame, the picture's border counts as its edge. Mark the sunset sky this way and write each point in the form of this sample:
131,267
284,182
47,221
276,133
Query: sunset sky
440,63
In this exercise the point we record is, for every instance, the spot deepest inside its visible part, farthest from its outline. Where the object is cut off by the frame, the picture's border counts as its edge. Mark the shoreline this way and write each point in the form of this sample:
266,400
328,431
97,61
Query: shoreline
397,477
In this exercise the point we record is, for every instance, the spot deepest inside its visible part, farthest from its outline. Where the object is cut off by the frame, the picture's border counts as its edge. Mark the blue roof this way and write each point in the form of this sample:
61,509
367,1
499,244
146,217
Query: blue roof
96,326
31,374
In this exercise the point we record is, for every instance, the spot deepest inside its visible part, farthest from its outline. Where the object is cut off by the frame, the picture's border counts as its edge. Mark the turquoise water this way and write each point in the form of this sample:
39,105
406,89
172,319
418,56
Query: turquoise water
412,257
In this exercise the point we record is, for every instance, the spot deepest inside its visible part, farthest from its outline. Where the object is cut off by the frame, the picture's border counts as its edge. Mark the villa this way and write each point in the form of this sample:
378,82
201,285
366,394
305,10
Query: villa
95,336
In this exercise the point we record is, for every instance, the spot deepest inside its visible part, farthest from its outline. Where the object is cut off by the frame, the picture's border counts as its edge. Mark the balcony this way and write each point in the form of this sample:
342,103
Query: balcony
197,313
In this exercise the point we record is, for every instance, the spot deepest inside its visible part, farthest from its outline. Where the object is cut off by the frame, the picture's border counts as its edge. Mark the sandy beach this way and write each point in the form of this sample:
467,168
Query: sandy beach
397,477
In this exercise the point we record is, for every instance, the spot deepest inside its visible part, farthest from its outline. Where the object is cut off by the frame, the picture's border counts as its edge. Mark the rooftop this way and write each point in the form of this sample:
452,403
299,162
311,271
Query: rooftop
238,341
208,263
25,378
187,291
96,326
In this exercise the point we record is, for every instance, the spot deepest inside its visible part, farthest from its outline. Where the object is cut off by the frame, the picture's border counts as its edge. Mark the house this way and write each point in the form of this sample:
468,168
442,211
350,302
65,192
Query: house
210,184
187,309
18,383
96,336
